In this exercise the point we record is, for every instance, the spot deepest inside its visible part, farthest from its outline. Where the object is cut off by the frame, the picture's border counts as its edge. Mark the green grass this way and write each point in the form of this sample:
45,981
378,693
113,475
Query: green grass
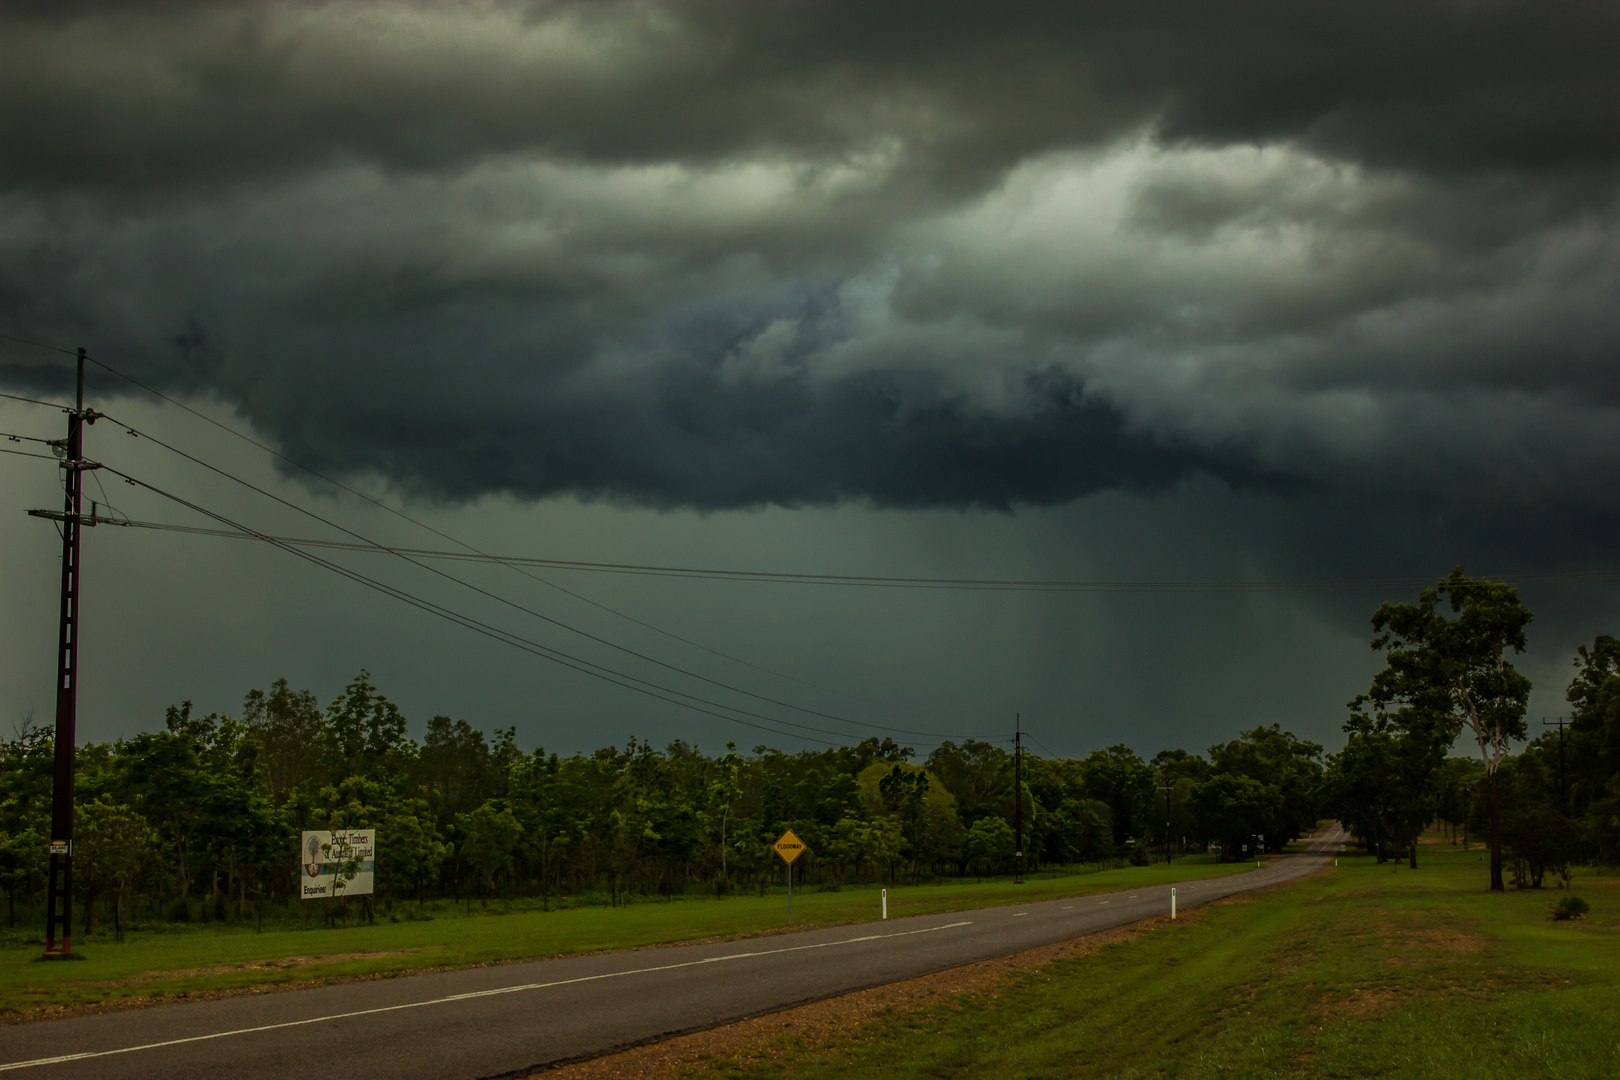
1365,971
181,959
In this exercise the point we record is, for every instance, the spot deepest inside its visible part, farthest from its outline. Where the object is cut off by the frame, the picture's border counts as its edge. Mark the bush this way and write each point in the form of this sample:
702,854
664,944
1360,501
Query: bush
179,911
1570,907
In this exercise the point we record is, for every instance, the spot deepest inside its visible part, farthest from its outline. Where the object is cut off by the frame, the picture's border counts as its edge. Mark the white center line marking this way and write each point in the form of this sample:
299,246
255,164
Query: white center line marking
1019,914
471,996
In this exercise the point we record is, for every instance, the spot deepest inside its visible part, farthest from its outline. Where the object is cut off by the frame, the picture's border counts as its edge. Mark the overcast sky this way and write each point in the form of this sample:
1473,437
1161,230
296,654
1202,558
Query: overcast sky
1259,291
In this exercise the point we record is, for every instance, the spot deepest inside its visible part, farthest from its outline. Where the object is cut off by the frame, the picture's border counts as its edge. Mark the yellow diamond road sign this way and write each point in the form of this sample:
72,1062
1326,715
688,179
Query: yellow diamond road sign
790,847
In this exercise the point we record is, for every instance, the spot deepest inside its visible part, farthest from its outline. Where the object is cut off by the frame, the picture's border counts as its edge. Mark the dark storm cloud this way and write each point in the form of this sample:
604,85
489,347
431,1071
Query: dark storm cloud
724,255
710,445
154,94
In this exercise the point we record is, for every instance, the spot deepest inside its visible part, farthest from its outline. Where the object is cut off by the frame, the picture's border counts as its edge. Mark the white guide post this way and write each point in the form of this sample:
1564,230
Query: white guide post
885,903
1172,903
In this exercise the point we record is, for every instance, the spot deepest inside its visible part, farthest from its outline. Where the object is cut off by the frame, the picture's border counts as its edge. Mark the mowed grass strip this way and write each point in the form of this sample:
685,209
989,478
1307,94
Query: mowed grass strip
192,959
1365,971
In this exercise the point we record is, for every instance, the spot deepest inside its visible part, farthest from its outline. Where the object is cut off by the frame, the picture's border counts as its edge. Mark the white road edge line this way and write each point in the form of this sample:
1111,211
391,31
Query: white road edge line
469,996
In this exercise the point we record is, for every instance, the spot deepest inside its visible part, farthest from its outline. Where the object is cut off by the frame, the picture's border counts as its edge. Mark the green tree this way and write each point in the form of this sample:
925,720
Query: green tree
409,849
1119,777
1453,674
490,838
111,845
988,845
978,775
1288,765
167,783
364,730
1537,835
291,732
1458,780
455,771
241,832
723,793
918,802
1360,789
1411,747
23,859
27,761
1235,810
1592,752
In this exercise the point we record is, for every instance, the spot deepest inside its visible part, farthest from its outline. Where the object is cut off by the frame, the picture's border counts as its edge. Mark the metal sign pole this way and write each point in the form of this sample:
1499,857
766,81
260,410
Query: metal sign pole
790,847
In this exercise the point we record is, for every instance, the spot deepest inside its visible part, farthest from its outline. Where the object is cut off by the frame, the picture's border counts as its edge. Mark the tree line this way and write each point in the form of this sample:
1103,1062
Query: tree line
201,818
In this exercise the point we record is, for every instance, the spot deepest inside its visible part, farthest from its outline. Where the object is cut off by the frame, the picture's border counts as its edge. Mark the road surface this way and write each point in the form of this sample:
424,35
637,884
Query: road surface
509,1019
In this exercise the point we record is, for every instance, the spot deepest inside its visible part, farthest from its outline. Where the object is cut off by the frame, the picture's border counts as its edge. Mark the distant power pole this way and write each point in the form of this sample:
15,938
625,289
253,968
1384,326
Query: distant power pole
1167,788
1018,799
59,892
1560,722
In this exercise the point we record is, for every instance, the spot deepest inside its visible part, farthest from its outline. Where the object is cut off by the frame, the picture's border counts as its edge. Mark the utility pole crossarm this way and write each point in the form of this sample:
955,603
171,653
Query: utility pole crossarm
89,521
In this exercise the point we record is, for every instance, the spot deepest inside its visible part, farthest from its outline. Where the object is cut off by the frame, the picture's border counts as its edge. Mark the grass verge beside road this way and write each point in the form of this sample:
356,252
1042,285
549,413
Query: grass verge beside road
182,960
1363,971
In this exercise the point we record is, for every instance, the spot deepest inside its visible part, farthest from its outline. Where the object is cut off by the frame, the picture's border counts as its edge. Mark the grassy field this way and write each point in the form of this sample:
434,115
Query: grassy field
1364,971
168,959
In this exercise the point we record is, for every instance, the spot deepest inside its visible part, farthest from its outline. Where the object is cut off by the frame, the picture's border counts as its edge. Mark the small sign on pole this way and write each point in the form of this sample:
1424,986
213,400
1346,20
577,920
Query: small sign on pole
790,847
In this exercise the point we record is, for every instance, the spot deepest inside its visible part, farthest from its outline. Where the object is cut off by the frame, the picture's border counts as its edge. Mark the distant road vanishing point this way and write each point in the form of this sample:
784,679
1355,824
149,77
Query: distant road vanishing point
496,1021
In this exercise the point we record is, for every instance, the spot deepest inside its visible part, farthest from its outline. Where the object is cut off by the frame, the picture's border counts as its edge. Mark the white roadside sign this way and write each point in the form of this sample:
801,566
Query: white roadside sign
337,863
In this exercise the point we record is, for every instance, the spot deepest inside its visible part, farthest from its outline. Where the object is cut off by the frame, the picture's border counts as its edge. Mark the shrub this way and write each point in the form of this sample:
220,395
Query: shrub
1570,907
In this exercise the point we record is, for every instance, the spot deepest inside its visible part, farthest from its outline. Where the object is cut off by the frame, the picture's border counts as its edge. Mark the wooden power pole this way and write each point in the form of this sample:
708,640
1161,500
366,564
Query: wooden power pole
1018,799
59,892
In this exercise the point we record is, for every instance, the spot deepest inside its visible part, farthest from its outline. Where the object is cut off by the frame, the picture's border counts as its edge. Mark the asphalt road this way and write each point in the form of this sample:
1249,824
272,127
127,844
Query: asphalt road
496,1021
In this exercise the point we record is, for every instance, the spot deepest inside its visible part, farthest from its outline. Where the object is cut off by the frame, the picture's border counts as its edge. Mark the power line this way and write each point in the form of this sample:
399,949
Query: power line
457,556
41,345
28,438
568,660
1043,746
35,401
618,678
423,525
370,544
106,500
29,453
